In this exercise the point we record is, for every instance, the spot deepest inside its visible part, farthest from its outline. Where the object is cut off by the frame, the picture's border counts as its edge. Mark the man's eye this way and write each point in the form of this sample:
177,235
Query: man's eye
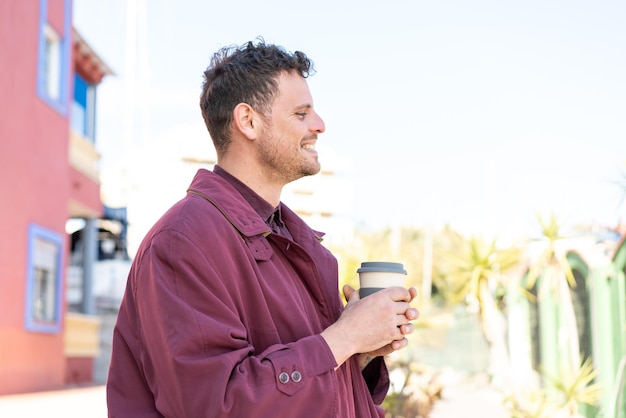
301,115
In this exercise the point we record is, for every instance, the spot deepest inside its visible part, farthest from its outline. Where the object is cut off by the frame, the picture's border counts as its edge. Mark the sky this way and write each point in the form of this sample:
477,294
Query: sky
476,114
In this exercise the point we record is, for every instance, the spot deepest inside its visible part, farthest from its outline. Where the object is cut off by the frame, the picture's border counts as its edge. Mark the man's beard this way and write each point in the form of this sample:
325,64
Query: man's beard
285,164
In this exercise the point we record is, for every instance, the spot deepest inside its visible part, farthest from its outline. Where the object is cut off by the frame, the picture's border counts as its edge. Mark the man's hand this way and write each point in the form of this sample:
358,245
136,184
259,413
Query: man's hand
376,325
405,329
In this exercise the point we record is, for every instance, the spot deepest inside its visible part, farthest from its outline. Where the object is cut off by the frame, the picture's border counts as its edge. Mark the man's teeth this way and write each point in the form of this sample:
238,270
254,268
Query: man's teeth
308,146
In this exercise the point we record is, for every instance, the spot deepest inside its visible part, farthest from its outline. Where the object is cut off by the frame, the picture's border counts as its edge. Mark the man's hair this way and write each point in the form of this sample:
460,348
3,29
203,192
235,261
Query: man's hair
245,74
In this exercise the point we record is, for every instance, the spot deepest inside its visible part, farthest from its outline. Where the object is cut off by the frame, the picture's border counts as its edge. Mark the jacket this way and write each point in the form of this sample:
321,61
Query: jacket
222,318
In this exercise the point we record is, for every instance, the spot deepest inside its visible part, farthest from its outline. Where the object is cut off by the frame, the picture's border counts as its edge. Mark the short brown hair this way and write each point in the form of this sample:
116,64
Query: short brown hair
244,74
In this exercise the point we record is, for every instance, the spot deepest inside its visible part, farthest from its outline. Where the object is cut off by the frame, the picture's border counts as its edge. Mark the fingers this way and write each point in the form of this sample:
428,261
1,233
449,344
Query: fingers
349,293
405,325
388,314
402,320
399,344
395,345
400,294
406,329
412,314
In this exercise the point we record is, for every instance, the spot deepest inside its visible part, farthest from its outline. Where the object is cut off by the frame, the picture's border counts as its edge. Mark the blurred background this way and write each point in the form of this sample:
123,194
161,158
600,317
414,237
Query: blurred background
480,143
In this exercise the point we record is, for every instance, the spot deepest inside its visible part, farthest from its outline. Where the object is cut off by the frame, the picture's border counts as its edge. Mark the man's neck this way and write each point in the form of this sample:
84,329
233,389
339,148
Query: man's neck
253,177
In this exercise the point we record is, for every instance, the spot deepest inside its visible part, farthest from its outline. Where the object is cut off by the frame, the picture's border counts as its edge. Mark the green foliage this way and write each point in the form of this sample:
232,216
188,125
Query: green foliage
568,391
531,404
473,264
551,260
552,275
577,386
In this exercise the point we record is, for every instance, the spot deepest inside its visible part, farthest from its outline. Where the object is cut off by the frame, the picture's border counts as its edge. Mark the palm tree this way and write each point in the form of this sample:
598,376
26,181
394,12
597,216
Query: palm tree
479,269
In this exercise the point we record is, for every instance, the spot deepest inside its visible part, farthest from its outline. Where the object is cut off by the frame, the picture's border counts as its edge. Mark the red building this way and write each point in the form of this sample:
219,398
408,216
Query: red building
48,174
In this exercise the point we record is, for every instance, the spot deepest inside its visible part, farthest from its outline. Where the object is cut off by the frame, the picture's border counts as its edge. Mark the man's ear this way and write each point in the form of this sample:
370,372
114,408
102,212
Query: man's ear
246,120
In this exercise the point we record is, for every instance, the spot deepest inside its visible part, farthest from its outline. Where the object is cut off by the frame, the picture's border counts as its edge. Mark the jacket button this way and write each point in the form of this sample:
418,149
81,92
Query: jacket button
296,376
283,377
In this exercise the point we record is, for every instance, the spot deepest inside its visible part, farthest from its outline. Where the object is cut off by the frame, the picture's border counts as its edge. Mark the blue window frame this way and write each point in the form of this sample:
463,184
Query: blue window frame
43,280
54,53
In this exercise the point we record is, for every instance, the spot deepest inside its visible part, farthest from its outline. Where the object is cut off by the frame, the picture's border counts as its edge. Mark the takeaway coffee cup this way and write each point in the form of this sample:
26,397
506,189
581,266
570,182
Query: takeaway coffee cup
377,275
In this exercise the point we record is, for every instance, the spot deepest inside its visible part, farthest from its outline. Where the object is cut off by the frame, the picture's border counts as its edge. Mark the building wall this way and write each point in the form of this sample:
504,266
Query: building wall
84,195
35,188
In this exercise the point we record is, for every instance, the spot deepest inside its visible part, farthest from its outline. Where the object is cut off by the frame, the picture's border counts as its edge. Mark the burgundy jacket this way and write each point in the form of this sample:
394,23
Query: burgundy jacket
222,318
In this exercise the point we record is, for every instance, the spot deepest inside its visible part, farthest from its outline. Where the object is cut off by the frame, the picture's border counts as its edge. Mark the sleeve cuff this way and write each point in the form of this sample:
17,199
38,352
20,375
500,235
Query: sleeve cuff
300,361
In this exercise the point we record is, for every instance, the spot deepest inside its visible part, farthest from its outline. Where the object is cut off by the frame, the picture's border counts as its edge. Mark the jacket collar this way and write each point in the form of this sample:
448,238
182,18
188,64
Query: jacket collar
238,212
229,202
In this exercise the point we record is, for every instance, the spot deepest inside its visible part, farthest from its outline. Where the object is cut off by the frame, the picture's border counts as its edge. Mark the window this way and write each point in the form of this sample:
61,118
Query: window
43,280
83,108
51,63
54,59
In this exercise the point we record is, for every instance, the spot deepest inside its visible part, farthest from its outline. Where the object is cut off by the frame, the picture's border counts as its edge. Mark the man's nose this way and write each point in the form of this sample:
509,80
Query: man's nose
318,125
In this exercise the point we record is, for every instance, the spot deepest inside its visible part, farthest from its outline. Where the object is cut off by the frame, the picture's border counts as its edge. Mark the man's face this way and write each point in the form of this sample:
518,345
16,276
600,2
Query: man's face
287,145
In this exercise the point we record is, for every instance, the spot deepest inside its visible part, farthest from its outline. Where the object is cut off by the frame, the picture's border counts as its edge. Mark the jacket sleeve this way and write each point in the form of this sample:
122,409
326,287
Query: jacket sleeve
196,355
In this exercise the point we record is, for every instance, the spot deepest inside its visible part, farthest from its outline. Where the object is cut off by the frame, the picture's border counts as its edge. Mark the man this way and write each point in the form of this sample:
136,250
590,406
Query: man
231,307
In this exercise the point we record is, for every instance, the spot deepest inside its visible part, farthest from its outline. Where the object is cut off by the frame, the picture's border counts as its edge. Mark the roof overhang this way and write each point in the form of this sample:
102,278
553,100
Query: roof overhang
88,63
